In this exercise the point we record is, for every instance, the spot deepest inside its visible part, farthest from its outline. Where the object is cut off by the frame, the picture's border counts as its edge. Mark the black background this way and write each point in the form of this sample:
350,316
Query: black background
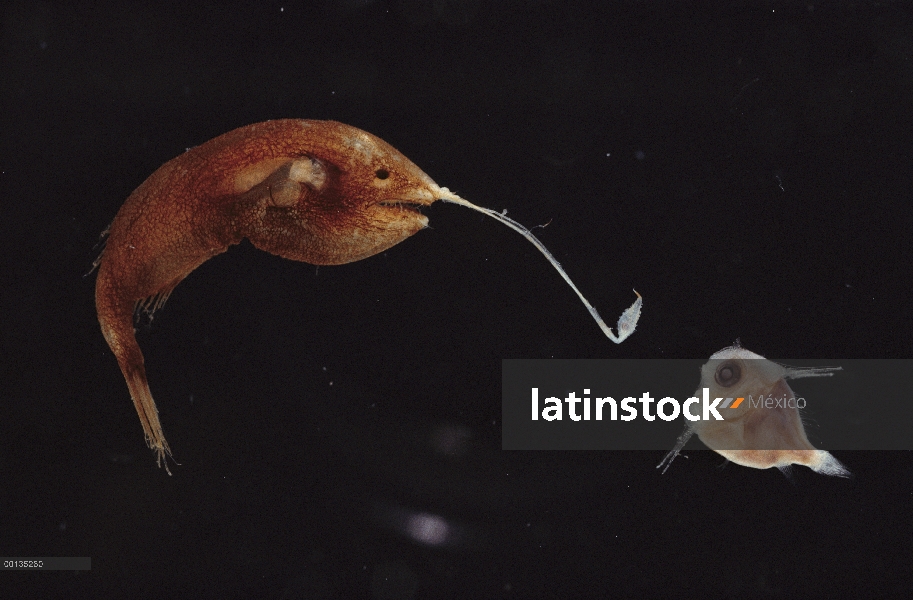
744,166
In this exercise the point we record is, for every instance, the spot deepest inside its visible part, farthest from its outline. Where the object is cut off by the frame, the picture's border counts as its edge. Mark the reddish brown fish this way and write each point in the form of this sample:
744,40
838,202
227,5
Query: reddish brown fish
315,191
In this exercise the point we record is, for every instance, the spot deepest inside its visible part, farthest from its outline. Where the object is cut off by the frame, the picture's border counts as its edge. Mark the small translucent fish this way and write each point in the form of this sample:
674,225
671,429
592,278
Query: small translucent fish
756,433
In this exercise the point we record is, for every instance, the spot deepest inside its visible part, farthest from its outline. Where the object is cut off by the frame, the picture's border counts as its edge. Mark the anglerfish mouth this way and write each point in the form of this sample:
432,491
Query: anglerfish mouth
403,205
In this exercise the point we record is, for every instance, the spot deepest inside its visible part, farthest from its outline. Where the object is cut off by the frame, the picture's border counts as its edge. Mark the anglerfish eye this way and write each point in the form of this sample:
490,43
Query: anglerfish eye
728,373
382,173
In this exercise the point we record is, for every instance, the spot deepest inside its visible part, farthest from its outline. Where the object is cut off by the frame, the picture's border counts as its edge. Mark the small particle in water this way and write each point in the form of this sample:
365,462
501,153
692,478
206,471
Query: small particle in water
779,179
428,529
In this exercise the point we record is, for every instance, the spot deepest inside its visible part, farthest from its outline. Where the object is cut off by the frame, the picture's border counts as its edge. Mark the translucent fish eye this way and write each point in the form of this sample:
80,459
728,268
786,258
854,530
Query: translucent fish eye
728,374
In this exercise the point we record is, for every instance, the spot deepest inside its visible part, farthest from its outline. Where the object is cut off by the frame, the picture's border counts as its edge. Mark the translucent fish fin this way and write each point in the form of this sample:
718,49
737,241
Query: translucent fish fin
679,444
